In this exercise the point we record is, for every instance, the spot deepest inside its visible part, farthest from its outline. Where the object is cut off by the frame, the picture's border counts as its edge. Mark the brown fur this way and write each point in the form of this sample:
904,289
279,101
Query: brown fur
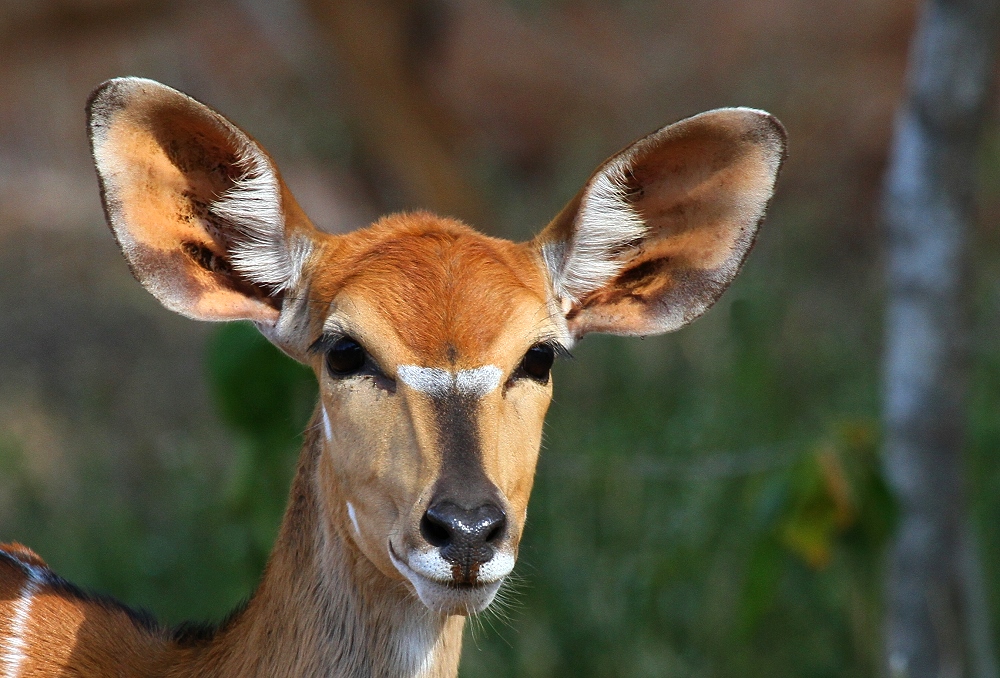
700,186
440,285
416,291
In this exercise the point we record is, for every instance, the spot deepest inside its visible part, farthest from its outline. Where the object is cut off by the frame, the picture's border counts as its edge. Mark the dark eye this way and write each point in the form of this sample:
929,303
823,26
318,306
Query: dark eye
538,361
345,357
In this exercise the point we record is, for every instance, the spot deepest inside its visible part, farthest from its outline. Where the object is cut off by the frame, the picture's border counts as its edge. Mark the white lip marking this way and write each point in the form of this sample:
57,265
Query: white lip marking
476,382
438,596
327,428
354,518
430,564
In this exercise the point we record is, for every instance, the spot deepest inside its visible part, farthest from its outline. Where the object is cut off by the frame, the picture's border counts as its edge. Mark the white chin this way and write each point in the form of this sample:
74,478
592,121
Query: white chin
447,599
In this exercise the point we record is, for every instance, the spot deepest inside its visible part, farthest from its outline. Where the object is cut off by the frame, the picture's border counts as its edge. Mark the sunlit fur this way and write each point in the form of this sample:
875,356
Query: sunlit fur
389,298
252,208
440,406
606,225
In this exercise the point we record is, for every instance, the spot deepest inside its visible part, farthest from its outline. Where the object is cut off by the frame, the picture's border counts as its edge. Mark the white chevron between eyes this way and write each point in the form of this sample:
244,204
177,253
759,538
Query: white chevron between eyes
477,382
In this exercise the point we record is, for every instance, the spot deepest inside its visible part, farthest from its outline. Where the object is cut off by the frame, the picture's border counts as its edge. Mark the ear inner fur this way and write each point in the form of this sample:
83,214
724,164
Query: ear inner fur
699,189
357,583
195,204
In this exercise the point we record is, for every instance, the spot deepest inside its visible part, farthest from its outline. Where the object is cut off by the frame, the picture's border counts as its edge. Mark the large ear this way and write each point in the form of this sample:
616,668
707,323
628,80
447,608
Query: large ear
662,227
197,206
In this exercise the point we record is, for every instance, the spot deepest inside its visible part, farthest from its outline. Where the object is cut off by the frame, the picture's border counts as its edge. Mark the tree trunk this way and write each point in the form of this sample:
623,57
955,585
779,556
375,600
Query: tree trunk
935,625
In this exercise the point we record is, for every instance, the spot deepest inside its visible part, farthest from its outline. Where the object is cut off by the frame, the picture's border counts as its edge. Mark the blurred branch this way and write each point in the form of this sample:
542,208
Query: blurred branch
929,207
380,45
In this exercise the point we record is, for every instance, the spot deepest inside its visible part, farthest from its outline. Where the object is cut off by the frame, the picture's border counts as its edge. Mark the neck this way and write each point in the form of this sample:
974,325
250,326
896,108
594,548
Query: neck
323,609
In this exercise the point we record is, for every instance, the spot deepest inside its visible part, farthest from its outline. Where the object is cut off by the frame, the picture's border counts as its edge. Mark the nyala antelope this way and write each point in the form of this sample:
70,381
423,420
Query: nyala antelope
432,345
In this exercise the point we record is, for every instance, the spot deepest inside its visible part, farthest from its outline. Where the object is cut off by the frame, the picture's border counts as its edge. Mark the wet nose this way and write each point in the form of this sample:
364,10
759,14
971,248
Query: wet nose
464,536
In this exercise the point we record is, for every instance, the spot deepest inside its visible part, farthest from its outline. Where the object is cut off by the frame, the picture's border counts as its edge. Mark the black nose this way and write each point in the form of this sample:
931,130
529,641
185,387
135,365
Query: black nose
464,535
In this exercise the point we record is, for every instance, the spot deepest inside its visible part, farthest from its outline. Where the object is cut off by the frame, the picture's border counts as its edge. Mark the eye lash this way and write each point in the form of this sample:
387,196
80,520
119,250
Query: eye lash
325,342
557,348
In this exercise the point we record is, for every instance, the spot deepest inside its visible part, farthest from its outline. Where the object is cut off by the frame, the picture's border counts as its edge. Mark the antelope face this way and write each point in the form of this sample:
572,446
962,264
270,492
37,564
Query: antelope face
433,356
432,343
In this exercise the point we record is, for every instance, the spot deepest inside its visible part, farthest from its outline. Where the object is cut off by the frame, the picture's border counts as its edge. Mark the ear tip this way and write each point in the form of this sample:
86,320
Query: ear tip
104,100
757,124
115,94
767,130
116,89
774,130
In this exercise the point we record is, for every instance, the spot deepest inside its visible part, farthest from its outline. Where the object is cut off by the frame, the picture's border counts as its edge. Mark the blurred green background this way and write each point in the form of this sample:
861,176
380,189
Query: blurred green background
708,503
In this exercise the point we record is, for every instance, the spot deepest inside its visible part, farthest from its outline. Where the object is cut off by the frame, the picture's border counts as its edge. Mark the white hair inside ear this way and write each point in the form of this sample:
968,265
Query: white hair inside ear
252,207
606,224
660,230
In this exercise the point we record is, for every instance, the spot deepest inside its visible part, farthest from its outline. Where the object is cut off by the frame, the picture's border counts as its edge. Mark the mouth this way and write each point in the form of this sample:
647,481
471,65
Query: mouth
432,580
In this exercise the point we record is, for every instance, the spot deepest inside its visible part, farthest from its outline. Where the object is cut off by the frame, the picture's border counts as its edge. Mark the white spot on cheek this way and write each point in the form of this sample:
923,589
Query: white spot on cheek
477,382
326,424
354,518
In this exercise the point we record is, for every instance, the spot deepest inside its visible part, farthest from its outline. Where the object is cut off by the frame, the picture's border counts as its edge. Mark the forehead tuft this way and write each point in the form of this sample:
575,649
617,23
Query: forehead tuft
447,289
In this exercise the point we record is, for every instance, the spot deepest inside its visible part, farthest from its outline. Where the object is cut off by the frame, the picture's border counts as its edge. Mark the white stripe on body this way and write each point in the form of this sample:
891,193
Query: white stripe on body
477,382
13,648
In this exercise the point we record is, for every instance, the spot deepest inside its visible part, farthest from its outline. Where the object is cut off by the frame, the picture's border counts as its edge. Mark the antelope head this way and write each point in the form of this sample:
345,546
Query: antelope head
432,344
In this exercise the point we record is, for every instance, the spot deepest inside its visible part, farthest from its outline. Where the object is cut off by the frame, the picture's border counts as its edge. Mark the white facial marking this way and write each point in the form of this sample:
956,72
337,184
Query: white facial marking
477,382
426,379
14,648
354,518
434,591
430,564
327,428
